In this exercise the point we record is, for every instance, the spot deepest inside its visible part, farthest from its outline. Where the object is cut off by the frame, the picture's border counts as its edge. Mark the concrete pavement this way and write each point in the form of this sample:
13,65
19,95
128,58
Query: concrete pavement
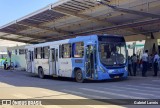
21,85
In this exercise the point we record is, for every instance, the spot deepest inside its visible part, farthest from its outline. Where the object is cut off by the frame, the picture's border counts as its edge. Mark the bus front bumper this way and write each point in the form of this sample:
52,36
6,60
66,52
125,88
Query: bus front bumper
106,75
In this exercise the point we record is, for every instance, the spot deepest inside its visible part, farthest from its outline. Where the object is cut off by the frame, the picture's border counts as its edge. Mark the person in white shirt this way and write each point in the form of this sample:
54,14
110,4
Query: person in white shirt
144,63
156,58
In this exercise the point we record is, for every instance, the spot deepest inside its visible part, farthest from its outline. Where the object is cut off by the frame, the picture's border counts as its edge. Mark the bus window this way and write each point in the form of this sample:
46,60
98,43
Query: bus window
56,54
35,53
26,52
16,51
21,51
66,50
30,56
53,55
39,53
78,49
46,52
113,53
60,51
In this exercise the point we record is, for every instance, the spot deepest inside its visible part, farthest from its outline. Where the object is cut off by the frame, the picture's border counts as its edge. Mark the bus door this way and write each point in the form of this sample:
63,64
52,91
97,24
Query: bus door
30,61
53,64
90,63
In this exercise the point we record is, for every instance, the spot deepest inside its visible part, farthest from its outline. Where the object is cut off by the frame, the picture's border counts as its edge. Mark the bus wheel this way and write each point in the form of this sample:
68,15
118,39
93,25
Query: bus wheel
40,73
79,76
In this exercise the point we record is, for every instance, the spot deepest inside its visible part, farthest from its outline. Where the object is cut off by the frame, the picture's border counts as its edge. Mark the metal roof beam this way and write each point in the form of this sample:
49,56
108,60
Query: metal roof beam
81,16
4,35
140,13
124,26
115,27
103,22
16,40
46,28
27,35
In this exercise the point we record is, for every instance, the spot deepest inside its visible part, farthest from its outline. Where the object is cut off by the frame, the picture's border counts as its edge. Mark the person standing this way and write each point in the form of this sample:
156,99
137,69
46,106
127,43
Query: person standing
5,64
138,63
134,61
129,65
150,61
155,63
144,63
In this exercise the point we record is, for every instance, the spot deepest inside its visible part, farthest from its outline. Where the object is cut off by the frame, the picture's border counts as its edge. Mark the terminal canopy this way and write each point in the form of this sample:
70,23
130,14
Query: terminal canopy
71,18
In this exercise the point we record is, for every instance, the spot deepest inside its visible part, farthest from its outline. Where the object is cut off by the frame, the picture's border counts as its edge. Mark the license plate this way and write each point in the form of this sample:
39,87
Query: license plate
116,77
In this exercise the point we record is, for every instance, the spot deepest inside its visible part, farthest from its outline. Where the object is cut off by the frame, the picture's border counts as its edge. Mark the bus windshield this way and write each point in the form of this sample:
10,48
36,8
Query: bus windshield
112,53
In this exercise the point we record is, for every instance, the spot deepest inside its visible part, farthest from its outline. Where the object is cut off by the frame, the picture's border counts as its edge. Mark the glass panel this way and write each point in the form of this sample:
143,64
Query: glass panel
35,53
53,55
66,51
46,52
30,56
60,51
112,53
56,54
21,51
26,54
78,49
16,51
39,53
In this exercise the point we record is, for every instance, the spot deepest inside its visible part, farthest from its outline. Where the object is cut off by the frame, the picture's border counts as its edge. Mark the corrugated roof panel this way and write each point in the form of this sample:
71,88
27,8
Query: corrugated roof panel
12,36
77,5
79,17
25,38
13,28
46,16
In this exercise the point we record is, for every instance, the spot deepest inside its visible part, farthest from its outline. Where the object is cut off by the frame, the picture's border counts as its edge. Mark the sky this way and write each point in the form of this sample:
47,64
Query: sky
11,10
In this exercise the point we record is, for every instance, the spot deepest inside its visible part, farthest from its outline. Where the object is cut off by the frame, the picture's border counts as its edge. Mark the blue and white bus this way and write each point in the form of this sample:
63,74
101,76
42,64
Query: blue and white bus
94,57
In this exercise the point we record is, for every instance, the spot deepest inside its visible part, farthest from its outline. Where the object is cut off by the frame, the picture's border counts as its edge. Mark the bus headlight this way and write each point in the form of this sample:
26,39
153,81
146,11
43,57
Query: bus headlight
102,69
110,71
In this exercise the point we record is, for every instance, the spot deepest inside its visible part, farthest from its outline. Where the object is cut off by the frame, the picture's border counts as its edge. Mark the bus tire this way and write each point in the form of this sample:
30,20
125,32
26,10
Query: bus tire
40,73
79,76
